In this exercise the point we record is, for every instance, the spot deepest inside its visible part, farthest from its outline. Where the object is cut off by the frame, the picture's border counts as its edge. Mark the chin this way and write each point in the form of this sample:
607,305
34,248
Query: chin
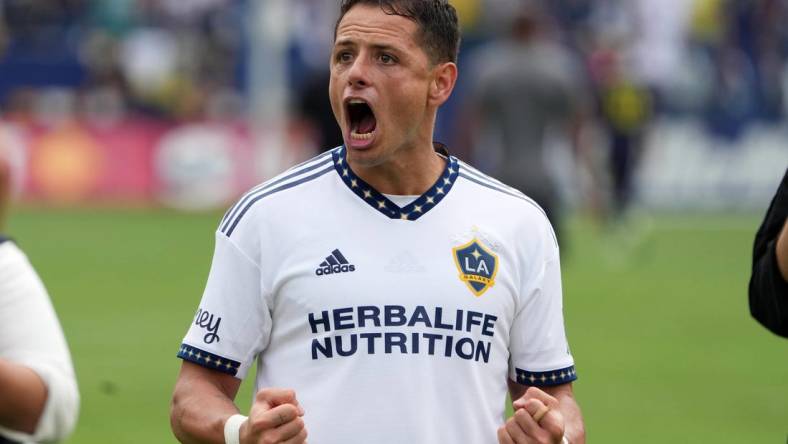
366,157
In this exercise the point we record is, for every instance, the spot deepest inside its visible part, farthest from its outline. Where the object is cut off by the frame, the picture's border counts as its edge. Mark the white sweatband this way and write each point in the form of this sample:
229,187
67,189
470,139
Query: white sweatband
564,440
232,429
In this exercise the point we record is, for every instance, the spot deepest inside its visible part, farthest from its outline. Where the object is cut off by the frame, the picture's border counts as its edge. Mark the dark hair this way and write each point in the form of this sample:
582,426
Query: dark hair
439,30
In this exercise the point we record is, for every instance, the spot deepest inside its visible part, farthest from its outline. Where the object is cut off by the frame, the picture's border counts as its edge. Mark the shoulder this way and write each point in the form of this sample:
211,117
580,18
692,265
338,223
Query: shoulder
498,192
9,250
490,194
298,179
13,262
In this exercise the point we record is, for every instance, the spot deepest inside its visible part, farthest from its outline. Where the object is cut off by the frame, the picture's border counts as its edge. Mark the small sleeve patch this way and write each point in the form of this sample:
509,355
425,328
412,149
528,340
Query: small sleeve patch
546,379
209,360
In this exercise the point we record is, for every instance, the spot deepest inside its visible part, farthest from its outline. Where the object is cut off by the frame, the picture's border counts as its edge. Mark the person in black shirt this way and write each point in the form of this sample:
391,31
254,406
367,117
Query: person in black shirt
769,280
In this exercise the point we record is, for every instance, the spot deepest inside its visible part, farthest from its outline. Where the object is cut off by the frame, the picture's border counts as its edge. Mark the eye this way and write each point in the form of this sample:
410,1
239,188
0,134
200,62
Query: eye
344,56
387,59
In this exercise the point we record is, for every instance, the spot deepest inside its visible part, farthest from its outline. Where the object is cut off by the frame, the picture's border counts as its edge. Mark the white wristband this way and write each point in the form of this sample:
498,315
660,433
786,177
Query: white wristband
564,440
232,429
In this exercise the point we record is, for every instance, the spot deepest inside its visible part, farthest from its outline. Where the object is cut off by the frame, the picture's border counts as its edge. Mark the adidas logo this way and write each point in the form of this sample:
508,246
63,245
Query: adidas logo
335,263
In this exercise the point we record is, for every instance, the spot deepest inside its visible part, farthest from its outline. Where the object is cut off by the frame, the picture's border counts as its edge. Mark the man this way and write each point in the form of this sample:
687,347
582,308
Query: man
387,290
526,87
769,280
39,400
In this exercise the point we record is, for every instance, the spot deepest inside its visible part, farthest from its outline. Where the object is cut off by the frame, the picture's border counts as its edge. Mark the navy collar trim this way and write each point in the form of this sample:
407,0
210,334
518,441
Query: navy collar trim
384,205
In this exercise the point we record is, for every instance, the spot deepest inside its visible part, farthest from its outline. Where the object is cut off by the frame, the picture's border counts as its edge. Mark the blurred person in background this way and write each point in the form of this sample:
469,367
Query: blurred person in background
769,280
523,87
625,110
39,400
314,109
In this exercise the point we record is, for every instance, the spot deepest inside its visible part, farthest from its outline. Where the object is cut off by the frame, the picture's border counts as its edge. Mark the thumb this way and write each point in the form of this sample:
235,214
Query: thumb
534,407
272,397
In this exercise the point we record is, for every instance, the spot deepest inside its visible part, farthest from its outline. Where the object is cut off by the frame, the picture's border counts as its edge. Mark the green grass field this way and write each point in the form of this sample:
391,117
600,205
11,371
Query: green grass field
659,325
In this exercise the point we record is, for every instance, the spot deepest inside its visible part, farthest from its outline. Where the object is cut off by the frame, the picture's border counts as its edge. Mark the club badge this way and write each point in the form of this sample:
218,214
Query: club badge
477,264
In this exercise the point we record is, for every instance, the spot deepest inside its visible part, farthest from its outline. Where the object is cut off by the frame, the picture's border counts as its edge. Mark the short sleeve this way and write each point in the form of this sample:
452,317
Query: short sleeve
232,323
539,349
31,336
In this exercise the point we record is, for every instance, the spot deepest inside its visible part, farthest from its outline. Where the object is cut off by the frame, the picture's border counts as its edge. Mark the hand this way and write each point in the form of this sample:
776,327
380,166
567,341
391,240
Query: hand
522,428
275,417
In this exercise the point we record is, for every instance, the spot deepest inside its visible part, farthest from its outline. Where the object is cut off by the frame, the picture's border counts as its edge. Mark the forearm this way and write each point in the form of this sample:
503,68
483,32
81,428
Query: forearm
782,251
574,427
23,396
200,419
200,407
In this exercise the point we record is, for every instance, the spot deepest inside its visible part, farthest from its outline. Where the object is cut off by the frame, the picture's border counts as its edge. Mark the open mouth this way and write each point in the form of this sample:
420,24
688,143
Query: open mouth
362,120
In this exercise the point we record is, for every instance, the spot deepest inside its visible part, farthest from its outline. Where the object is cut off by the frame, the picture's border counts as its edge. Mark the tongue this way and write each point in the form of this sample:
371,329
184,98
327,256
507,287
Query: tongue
367,124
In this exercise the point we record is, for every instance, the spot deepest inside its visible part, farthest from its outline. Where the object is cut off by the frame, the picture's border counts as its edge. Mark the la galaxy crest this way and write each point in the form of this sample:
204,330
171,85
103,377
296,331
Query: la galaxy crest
477,264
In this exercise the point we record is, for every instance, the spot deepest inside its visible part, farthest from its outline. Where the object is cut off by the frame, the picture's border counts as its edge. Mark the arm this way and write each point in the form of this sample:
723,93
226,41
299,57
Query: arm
782,251
574,427
768,289
203,401
22,397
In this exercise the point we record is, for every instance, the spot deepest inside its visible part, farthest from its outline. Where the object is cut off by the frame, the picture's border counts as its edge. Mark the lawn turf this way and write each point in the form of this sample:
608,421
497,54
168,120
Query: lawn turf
657,319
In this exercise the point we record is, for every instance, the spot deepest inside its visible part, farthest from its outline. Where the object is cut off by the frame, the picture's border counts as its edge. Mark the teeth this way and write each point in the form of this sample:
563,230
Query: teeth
358,136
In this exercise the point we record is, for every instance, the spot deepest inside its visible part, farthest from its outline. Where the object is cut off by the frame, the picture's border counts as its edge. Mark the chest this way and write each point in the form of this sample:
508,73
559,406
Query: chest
357,275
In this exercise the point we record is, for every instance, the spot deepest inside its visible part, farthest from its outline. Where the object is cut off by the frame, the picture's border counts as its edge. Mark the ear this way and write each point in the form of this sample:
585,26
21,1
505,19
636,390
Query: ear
443,81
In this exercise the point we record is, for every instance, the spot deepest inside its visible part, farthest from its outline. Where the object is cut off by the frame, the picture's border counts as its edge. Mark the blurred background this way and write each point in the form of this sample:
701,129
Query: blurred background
654,133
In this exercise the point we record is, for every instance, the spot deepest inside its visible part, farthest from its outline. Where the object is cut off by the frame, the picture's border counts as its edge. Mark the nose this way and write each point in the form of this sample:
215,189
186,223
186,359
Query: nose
358,74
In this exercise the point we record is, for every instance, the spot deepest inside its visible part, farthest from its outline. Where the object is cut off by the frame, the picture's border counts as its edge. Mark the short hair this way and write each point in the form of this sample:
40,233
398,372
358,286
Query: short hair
439,29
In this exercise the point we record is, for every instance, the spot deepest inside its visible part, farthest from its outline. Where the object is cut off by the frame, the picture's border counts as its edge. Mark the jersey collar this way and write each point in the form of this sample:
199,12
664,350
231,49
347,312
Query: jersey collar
384,205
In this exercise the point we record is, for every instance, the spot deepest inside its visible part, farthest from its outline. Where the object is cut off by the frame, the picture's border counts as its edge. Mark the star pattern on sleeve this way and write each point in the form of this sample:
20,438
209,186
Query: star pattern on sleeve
546,378
208,359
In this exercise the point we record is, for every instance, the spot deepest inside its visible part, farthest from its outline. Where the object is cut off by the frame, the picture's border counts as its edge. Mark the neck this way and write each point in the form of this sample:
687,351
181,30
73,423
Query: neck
411,172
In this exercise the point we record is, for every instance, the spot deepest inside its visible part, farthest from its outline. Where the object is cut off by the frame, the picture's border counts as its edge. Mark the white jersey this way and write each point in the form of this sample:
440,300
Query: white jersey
30,335
393,325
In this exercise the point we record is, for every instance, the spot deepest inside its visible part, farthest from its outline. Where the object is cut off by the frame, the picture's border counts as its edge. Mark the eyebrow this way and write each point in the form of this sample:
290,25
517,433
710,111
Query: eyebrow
377,46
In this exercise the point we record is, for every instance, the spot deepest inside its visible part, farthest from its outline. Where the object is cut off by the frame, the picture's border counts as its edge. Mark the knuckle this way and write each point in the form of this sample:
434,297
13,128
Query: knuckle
521,415
261,395
512,427
256,425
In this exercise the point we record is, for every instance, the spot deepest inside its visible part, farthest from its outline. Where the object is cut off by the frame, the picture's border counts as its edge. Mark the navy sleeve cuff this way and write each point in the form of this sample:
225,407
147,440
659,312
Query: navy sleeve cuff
208,360
546,379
